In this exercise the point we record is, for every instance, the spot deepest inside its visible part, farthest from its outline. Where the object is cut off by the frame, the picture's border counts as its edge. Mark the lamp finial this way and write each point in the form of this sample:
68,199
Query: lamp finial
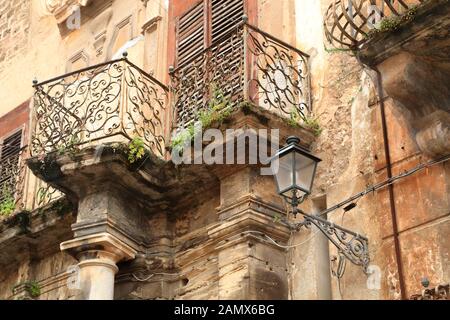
292,140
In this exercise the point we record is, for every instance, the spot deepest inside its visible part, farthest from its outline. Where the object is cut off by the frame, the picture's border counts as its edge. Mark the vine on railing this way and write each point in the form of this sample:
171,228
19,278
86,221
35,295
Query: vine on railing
247,65
110,101
348,23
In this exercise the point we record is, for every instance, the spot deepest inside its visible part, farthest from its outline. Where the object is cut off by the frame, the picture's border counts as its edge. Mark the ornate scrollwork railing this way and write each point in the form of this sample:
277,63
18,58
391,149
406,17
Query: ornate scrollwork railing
12,183
113,101
244,65
14,186
348,23
46,194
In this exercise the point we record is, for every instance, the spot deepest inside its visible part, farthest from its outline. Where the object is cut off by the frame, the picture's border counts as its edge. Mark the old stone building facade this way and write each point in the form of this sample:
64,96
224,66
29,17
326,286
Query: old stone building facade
97,94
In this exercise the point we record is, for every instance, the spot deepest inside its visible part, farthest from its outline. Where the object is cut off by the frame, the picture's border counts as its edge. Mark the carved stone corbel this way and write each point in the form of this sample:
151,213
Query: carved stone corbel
63,9
414,63
423,91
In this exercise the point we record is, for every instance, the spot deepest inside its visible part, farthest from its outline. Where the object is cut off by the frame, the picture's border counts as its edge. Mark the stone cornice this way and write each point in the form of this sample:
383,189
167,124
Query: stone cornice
105,225
247,214
105,241
62,9
150,24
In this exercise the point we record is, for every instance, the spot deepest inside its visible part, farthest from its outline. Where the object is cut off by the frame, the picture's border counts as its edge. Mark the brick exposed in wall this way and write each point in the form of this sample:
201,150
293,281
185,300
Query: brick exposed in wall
14,27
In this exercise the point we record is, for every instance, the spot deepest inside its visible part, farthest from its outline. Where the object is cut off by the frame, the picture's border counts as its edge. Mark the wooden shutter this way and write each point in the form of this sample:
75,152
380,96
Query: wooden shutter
191,34
198,29
190,44
9,163
225,15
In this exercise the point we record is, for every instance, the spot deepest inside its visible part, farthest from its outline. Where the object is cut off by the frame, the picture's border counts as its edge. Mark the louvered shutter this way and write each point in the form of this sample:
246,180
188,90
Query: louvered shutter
191,34
199,69
226,15
9,163
190,44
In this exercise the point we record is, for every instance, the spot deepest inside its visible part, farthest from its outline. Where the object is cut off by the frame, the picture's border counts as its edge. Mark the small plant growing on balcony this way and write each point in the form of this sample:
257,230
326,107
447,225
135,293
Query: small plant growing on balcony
136,149
33,288
70,146
8,204
219,108
313,124
388,24
183,137
296,118
218,99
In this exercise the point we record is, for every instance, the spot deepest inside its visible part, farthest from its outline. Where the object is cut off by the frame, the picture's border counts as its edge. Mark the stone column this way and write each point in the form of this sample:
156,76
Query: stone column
97,255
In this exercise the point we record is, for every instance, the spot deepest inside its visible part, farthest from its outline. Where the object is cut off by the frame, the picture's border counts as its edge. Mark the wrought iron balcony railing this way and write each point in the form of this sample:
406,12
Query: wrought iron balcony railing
244,65
348,23
15,187
118,100
12,183
113,101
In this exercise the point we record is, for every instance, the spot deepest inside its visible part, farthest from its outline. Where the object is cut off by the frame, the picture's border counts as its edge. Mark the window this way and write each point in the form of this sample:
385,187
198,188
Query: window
9,164
205,24
208,46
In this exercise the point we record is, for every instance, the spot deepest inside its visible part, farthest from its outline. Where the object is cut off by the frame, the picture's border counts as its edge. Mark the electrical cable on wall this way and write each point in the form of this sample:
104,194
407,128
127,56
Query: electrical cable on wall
271,240
151,276
386,183
339,271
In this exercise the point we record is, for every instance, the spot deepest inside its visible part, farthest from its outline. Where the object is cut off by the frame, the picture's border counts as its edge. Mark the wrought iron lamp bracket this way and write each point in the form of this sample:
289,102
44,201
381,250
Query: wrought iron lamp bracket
352,245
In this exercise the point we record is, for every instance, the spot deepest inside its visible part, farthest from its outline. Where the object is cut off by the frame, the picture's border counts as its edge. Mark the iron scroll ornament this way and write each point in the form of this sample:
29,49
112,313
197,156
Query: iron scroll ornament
352,245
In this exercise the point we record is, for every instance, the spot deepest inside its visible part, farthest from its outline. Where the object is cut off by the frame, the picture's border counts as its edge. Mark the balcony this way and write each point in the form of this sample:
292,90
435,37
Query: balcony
406,43
118,101
113,101
349,25
245,65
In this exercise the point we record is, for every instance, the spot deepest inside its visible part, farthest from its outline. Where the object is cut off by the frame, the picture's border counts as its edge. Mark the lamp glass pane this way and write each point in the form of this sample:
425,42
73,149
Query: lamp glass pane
304,171
284,175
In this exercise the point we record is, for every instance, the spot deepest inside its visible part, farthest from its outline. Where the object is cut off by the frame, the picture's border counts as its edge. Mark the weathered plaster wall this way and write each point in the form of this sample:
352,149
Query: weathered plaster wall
340,103
50,272
352,148
14,30
31,39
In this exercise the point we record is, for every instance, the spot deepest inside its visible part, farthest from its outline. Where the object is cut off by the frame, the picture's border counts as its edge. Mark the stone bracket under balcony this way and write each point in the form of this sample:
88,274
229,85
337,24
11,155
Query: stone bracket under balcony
414,62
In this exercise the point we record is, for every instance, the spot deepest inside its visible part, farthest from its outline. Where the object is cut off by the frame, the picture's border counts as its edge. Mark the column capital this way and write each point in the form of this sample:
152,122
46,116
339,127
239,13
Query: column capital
101,242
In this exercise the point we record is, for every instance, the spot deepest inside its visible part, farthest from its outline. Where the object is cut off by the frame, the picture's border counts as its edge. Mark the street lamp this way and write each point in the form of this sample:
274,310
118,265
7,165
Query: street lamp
294,168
